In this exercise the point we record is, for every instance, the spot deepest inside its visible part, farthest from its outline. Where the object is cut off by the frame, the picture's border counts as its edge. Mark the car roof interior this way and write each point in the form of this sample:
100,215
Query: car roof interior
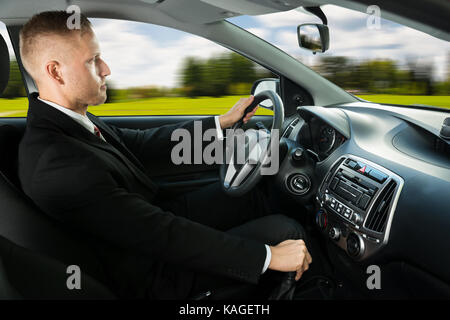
429,16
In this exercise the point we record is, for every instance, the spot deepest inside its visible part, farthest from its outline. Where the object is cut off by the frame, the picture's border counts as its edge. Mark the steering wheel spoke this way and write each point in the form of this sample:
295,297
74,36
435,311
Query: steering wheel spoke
242,174
231,172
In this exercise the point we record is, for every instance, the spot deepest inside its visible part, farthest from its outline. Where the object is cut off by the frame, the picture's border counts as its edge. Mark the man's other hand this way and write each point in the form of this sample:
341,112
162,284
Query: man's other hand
236,112
290,255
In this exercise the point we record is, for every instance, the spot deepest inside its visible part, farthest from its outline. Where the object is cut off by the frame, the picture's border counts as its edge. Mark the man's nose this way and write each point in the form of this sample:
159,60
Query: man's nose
104,69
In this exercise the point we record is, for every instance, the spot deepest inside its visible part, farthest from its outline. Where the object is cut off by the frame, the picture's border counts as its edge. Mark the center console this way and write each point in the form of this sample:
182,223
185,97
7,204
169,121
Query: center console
356,204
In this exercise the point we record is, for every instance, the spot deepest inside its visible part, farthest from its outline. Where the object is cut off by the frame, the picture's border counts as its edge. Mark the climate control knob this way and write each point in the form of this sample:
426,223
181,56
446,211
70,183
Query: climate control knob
334,233
356,218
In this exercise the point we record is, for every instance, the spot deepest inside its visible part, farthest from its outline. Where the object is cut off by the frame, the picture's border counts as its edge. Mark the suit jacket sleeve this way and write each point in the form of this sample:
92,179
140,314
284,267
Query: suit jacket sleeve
153,146
95,202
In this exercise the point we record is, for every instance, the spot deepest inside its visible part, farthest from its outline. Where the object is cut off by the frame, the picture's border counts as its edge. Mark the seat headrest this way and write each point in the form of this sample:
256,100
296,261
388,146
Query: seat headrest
4,64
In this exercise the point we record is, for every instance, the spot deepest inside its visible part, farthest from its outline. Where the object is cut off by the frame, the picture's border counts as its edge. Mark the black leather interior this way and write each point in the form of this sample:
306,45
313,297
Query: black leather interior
25,274
9,142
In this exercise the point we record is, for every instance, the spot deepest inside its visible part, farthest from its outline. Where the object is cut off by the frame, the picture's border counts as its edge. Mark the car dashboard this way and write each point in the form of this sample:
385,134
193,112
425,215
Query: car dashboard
382,185
320,138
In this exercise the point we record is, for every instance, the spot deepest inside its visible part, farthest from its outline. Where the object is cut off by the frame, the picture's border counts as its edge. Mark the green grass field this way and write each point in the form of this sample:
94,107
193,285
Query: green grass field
200,106
436,101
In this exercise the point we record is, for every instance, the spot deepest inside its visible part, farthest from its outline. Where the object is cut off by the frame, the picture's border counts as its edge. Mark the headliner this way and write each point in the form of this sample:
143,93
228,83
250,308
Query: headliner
429,16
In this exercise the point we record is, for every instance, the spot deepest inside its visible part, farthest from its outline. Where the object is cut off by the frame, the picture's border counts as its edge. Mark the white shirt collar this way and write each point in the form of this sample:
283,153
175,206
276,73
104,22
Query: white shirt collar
81,119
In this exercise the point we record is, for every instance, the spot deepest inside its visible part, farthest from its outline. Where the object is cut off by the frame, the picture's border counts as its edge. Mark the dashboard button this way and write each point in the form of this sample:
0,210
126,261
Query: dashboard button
377,175
352,164
364,201
348,213
358,166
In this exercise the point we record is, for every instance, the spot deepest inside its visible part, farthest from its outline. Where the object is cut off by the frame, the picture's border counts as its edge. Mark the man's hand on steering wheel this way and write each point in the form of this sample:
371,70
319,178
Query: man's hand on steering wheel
236,112
239,175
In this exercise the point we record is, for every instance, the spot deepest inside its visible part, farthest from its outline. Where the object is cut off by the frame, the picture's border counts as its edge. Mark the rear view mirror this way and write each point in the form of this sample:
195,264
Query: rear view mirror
313,37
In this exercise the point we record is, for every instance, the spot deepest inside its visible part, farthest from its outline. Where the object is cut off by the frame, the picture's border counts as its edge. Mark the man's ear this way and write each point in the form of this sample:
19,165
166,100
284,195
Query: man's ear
53,70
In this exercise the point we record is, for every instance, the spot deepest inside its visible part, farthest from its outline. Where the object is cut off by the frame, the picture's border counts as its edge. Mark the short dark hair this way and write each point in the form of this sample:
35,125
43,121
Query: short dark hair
48,23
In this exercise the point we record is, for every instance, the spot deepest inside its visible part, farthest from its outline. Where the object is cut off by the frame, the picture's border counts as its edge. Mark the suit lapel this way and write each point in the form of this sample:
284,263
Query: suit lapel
114,139
113,143
42,115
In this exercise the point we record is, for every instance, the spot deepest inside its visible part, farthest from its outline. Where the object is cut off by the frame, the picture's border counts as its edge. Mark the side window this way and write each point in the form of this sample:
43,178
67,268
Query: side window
161,71
13,101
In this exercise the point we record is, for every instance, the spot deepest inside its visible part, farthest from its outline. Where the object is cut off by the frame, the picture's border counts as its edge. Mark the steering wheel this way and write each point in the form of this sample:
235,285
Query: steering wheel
239,177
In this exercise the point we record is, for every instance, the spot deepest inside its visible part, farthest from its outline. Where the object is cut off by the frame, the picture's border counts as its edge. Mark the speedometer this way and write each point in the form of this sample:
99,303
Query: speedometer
327,137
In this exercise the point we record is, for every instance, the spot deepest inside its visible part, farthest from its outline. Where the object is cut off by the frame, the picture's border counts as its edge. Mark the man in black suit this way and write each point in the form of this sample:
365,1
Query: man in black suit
94,178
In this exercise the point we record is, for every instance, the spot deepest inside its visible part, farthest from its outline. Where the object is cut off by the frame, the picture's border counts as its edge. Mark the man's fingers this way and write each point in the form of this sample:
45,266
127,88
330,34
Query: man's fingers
245,102
250,114
301,270
305,266
298,274
308,257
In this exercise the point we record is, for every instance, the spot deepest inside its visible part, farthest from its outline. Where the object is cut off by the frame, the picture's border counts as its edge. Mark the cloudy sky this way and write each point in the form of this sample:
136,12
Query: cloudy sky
142,54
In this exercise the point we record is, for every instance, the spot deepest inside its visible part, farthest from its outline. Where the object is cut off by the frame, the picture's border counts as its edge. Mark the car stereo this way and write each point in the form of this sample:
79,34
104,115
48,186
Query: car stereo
357,201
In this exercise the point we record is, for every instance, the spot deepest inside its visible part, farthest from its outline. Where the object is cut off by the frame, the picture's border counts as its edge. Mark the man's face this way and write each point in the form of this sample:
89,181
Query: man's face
84,72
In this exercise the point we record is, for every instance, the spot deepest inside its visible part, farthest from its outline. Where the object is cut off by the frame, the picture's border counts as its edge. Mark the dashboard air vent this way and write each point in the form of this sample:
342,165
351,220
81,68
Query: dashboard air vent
376,220
289,129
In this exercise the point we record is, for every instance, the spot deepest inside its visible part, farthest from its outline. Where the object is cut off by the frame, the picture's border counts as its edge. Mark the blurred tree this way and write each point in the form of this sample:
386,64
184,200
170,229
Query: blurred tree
192,77
226,74
335,69
233,74
217,74
243,70
422,73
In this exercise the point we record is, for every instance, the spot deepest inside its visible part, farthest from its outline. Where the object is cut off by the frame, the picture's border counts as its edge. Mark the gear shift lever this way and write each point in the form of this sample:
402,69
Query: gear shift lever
286,289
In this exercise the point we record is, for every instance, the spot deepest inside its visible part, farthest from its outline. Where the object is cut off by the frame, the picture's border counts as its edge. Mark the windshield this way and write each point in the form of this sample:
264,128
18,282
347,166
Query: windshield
373,58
